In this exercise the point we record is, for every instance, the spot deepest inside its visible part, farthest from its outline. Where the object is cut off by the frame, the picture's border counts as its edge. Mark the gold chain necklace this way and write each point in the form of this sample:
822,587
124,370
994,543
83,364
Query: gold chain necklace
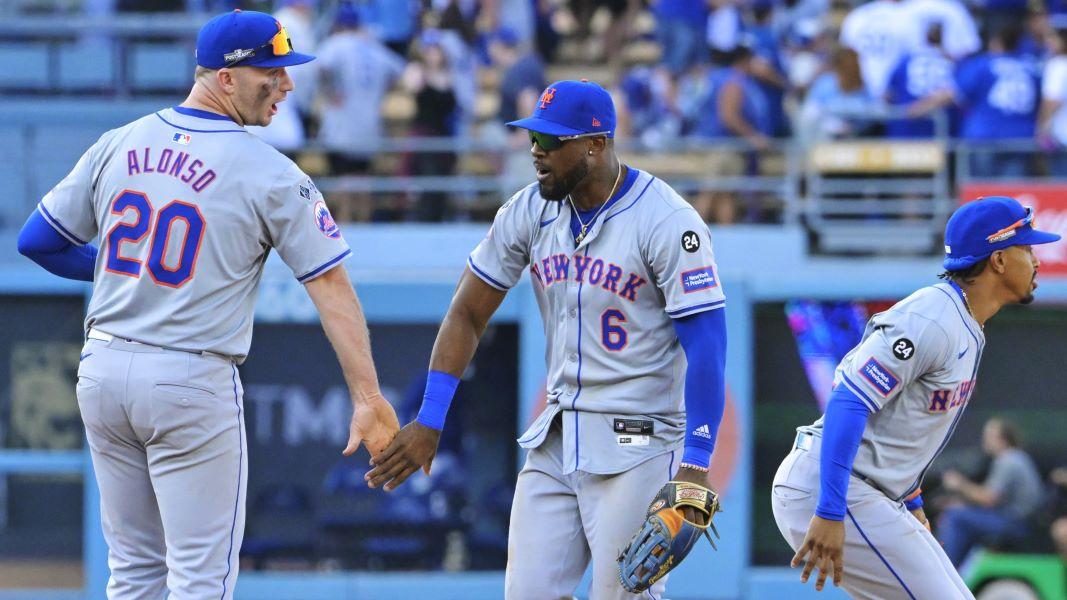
585,226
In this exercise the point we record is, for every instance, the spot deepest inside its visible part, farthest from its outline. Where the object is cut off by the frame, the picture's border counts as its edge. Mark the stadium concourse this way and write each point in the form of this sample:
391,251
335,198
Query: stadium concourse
824,142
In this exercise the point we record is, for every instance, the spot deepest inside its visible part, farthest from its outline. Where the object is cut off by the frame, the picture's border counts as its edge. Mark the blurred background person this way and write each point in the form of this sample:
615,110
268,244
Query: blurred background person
881,32
1058,530
997,92
837,93
920,74
998,509
394,22
355,71
1052,118
680,28
429,78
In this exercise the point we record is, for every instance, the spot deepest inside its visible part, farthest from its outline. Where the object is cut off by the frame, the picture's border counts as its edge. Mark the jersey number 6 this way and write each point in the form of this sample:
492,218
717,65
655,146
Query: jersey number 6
172,273
612,334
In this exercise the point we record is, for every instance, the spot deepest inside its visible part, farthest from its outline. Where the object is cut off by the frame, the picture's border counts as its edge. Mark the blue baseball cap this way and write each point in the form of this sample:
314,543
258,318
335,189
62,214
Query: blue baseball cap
246,38
572,108
983,226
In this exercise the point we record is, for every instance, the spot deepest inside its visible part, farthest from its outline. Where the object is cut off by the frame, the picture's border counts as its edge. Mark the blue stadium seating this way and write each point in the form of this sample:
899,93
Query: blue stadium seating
24,65
160,66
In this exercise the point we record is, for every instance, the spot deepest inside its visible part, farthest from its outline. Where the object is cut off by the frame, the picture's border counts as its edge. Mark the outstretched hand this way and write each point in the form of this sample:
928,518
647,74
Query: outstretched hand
824,547
374,423
413,448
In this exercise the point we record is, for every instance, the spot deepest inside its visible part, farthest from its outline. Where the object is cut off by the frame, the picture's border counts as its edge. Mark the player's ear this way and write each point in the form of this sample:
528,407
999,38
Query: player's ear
998,261
226,79
597,144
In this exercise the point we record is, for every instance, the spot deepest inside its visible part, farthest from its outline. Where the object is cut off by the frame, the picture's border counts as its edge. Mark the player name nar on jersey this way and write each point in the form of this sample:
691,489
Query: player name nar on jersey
607,303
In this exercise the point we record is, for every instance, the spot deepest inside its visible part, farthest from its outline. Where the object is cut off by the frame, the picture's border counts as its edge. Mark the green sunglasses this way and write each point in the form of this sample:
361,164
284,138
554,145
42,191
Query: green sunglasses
555,142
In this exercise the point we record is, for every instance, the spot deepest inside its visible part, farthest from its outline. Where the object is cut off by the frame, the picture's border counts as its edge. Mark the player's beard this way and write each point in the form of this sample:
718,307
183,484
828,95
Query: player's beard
566,184
1028,297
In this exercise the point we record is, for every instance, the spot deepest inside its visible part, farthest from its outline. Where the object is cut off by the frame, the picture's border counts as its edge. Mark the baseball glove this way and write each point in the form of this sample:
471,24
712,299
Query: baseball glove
666,537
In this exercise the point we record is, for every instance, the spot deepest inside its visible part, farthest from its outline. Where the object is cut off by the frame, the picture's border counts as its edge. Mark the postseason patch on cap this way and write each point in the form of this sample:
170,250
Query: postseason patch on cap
880,377
324,221
698,279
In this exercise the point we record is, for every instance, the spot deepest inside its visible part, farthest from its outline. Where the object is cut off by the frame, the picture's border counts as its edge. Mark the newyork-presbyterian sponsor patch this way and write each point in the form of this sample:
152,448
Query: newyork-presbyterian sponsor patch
883,380
698,279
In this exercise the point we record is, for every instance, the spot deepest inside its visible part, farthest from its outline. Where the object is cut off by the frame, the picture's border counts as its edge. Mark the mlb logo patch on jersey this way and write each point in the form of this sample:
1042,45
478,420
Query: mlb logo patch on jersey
698,279
324,221
880,377
182,138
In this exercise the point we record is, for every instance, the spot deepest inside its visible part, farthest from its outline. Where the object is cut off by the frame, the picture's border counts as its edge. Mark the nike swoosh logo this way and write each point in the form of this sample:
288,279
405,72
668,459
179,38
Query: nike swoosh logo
962,353
84,356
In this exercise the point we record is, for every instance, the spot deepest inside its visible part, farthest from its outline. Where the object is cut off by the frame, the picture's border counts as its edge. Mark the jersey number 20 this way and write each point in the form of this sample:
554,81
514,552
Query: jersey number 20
172,273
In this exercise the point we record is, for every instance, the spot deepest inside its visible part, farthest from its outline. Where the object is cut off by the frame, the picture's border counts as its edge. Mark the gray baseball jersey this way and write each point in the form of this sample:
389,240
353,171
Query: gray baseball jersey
915,368
615,367
188,204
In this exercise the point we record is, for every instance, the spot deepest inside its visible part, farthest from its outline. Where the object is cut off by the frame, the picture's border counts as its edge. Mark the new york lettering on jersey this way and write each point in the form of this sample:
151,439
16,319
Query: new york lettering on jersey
647,258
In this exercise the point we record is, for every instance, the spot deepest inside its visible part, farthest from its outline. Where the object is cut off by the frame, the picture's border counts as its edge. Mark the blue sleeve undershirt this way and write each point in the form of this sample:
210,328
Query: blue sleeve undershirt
703,338
42,244
842,431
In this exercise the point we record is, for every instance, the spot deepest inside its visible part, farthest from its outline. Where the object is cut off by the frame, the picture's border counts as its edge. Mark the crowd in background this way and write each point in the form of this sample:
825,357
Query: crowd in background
737,74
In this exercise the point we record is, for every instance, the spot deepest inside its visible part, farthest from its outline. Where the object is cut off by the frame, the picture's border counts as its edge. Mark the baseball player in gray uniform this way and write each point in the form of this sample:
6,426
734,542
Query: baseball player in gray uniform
625,278
848,498
187,205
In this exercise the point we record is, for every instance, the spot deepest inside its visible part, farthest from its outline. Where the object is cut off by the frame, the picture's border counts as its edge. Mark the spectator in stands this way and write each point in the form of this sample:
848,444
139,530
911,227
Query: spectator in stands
355,71
807,49
767,66
725,27
959,35
997,92
997,509
429,78
522,76
548,37
1058,531
807,15
680,28
609,47
837,100
735,106
391,21
920,74
646,107
1052,121
455,33
881,32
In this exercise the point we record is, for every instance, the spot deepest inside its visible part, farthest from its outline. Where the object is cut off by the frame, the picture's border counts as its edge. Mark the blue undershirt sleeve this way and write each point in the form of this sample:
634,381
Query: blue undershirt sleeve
842,431
42,244
703,338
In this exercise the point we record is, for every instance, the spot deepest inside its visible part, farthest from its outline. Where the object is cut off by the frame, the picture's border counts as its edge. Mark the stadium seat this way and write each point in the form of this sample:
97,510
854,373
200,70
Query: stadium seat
160,67
84,67
24,65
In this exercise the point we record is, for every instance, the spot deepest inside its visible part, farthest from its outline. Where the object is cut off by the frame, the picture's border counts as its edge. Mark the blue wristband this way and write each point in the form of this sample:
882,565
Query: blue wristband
440,388
914,504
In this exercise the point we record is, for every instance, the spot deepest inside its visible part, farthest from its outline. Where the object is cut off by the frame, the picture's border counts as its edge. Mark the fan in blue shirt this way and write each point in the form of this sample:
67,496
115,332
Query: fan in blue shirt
920,74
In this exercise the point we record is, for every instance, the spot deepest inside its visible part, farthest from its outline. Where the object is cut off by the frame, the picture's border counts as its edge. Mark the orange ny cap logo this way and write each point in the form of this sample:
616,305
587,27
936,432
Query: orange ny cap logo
547,96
